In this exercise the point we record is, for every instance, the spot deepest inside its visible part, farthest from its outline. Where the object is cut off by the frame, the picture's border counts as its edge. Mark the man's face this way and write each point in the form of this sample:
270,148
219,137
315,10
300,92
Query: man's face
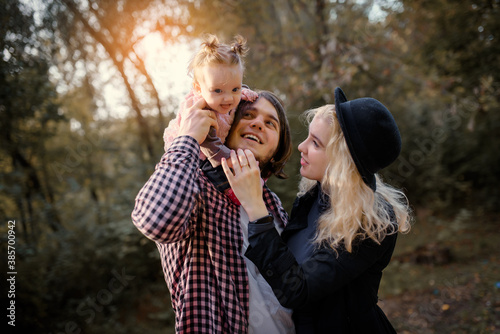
258,130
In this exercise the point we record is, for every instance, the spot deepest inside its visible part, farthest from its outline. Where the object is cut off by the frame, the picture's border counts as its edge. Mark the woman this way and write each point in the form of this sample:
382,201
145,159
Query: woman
327,264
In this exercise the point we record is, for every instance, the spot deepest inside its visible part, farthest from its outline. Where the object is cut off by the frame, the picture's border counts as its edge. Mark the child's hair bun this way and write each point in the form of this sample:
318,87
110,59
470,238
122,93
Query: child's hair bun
212,51
239,45
210,44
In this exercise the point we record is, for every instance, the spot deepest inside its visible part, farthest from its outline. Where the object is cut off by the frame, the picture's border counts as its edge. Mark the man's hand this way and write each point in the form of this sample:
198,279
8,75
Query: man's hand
196,121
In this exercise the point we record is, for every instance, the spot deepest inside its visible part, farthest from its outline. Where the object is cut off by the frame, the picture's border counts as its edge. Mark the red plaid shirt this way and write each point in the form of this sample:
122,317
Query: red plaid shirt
198,233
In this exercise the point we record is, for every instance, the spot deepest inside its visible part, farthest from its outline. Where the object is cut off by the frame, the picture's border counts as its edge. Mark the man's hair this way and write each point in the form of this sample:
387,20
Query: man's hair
274,166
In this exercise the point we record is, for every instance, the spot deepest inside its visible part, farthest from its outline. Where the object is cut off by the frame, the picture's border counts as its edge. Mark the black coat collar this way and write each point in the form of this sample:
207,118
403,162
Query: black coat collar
300,210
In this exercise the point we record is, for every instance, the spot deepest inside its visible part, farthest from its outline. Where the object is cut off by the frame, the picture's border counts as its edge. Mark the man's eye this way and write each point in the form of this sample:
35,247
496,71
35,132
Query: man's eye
272,124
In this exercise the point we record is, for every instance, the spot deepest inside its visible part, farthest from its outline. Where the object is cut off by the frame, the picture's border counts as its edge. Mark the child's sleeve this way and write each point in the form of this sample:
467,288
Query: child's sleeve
172,130
214,149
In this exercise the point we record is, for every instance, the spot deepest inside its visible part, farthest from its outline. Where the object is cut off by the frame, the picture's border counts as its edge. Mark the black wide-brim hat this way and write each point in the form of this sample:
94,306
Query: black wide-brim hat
370,132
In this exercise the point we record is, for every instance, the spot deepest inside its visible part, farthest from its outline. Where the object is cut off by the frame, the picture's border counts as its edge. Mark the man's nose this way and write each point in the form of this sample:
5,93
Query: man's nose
257,123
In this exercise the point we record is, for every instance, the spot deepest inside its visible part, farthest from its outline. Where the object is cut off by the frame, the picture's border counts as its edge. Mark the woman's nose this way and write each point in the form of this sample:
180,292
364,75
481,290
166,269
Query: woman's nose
301,147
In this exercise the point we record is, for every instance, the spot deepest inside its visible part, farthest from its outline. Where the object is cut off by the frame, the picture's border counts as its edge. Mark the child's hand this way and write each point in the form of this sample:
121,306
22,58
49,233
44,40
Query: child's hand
248,94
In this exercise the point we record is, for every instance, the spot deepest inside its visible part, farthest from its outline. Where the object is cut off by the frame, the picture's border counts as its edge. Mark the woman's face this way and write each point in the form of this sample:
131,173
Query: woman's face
313,150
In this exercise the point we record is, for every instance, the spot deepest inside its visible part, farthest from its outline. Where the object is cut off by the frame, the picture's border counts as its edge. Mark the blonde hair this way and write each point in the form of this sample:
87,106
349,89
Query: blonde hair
214,52
355,212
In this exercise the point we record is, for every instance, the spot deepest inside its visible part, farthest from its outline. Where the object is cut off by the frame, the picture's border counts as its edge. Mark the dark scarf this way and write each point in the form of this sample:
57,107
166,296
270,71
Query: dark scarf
218,178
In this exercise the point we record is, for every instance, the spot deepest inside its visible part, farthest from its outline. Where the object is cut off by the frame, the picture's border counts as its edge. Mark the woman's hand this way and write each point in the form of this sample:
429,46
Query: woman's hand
246,183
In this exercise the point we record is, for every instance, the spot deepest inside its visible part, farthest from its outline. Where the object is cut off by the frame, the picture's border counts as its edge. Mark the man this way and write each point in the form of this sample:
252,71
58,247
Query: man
198,229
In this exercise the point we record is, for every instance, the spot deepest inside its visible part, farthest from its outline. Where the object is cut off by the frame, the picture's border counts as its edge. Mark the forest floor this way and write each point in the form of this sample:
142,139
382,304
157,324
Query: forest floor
444,278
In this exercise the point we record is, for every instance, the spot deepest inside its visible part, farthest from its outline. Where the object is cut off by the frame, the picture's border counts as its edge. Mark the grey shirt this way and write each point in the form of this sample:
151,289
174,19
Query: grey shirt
266,315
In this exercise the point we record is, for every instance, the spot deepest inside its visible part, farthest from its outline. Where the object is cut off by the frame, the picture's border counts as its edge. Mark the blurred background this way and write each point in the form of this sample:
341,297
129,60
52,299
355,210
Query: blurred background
87,87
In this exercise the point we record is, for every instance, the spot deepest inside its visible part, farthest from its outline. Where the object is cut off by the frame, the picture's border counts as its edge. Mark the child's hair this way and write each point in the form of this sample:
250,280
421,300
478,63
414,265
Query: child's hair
214,52
356,212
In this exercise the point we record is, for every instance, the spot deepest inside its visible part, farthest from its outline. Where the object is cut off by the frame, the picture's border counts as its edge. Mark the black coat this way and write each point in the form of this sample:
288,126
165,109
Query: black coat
328,293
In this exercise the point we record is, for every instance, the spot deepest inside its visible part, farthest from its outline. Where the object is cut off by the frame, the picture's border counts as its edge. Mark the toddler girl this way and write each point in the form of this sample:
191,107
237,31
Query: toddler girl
217,71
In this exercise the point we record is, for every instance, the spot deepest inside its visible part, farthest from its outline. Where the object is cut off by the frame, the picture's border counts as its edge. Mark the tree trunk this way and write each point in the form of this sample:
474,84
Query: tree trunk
113,54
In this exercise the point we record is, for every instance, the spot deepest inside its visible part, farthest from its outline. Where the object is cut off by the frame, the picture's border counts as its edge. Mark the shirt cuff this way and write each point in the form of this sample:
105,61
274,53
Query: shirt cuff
185,143
254,229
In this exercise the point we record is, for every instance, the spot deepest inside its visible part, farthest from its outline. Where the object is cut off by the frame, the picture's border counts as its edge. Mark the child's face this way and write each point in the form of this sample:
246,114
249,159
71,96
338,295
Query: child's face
220,86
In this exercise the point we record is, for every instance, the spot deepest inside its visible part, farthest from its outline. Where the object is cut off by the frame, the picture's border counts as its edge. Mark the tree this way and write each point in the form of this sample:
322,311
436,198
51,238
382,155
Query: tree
100,31
28,115
457,49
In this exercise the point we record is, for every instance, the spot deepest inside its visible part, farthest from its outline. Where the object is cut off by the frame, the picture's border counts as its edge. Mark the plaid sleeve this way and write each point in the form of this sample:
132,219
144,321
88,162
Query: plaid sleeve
165,204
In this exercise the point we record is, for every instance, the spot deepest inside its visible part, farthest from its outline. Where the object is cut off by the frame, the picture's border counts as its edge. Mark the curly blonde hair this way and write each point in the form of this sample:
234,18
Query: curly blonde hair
214,52
355,212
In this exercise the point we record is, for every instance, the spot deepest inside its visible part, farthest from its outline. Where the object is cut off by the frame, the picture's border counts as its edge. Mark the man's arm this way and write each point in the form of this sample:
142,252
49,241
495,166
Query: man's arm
166,203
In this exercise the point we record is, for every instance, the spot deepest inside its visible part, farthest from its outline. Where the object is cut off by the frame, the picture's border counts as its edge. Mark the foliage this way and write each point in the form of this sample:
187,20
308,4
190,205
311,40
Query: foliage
69,171
83,276
28,118
452,123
